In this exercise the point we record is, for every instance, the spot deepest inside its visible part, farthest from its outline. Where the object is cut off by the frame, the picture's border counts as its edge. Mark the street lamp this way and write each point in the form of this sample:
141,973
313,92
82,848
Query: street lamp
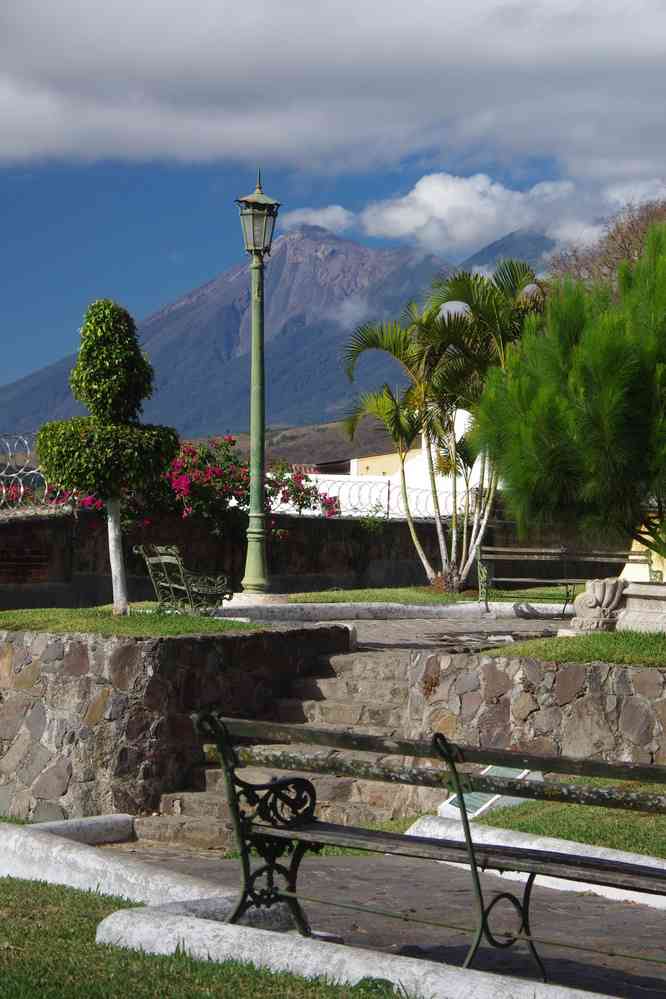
258,213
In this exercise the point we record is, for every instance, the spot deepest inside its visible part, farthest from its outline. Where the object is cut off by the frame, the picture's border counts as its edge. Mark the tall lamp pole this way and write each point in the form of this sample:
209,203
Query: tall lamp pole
258,213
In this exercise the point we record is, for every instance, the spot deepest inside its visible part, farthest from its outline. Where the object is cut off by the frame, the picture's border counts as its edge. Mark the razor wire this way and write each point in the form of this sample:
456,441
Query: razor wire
370,496
23,487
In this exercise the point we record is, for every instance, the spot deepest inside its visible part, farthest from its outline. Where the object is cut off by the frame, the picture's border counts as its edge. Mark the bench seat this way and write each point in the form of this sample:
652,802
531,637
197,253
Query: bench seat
590,870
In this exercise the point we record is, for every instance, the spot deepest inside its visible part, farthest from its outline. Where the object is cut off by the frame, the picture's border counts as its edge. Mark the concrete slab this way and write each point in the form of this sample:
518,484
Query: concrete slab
26,852
278,611
155,932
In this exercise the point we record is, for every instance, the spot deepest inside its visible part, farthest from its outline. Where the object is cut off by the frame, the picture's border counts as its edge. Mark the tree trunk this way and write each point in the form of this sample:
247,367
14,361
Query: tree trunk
429,571
118,578
435,503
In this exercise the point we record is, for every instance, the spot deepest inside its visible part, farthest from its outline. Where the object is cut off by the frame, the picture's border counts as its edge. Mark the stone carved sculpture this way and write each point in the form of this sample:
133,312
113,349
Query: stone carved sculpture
597,608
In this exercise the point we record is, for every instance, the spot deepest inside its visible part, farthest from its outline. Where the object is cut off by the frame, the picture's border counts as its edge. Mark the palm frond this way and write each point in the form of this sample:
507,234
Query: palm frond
390,337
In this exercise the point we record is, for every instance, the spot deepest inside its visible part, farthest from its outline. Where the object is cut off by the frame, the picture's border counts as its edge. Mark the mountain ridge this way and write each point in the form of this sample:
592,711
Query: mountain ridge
318,287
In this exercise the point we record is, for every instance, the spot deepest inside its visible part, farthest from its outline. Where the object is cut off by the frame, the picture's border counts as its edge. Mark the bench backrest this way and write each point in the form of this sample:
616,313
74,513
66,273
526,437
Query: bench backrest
166,571
238,730
562,554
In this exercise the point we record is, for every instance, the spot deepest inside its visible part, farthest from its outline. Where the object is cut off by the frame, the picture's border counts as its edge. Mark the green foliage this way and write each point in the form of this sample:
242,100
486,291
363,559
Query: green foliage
576,423
108,460
49,951
630,648
139,623
111,376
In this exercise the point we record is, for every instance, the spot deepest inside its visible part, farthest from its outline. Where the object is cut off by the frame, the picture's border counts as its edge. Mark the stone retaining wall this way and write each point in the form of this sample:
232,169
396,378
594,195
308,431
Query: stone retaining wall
91,725
581,710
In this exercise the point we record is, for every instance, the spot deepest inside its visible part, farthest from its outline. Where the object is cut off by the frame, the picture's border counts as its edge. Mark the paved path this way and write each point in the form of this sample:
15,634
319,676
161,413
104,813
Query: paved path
443,893
426,633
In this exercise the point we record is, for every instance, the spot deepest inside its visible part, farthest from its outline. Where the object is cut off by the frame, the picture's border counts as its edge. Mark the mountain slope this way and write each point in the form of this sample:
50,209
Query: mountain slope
521,244
318,288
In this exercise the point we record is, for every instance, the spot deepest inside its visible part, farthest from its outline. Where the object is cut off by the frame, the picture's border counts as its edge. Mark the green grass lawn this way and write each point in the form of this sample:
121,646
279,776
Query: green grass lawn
423,595
48,950
637,832
628,648
100,621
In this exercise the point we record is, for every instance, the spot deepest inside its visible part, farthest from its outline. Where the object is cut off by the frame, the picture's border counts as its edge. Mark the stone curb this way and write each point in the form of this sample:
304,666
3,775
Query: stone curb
439,828
158,933
387,611
33,855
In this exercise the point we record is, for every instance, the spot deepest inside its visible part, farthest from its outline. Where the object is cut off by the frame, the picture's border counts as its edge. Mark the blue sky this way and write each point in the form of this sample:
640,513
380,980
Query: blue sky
127,130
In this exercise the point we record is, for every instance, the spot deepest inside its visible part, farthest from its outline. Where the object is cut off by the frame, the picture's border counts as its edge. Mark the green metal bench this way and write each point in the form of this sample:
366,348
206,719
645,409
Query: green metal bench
179,588
564,559
276,821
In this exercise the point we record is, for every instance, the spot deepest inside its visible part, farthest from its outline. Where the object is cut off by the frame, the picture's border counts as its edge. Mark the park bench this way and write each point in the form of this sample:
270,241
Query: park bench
277,821
177,587
573,567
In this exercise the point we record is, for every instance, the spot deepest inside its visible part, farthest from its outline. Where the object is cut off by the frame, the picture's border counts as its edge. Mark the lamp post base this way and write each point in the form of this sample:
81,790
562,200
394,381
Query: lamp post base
255,579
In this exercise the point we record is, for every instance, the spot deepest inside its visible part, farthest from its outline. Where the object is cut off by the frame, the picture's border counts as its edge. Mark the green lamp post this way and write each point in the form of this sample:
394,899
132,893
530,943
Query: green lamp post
258,213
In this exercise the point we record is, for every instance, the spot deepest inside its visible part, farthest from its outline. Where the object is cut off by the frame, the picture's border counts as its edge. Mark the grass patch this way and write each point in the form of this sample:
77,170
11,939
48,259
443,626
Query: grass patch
626,648
48,950
423,595
100,621
616,828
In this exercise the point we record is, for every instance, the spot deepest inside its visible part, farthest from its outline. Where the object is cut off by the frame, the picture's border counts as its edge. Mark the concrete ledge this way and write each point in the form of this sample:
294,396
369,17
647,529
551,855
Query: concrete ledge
439,828
33,855
158,933
93,830
387,611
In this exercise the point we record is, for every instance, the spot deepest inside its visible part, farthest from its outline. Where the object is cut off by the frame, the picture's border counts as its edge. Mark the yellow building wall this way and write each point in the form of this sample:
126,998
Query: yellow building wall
382,464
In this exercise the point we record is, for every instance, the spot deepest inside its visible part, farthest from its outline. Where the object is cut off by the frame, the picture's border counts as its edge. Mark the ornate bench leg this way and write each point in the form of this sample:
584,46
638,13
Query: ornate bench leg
297,912
266,884
452,754
523,910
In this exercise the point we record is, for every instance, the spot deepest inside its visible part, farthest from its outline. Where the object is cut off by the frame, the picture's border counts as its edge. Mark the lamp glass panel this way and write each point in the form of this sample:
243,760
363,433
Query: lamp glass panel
270,226
258,225
246,223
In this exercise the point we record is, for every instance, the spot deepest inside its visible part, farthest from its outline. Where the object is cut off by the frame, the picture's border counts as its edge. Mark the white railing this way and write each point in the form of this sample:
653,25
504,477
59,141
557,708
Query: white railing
369,495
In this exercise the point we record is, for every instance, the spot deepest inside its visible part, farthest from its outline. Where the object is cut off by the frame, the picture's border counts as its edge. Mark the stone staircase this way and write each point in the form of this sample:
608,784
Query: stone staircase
364,690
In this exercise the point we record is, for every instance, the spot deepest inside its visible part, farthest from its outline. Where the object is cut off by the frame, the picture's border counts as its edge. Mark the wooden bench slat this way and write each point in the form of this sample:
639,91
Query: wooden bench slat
592,870
266,732
439,777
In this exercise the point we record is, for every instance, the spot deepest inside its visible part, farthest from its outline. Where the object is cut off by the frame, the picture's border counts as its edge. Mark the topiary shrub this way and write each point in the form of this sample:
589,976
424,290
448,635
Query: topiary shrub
108,453
112,376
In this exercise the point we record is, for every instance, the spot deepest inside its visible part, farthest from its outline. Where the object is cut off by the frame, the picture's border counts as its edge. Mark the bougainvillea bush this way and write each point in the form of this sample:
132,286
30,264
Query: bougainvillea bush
211,480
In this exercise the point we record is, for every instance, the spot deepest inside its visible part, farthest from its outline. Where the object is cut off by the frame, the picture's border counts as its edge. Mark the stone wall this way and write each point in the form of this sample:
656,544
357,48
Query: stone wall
580,710
92,725
316,553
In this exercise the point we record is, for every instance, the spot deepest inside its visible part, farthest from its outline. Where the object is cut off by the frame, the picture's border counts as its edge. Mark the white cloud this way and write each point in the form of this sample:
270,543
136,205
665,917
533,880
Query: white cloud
348,85
332,217
459,214
635,191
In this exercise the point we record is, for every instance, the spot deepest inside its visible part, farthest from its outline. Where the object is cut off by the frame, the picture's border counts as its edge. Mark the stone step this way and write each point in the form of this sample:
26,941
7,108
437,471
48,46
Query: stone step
341,689
195,804
341,714
362,663
204,833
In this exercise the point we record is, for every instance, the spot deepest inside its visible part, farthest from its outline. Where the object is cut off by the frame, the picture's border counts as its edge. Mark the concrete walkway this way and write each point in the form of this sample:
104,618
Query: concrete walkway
443,893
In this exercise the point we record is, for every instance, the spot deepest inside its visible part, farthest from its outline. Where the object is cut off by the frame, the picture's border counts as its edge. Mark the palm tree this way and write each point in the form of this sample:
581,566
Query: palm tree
416,345
446,354
403,424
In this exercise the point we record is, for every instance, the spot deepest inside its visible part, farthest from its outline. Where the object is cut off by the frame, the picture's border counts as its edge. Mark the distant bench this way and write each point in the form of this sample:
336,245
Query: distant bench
564,560
178,588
